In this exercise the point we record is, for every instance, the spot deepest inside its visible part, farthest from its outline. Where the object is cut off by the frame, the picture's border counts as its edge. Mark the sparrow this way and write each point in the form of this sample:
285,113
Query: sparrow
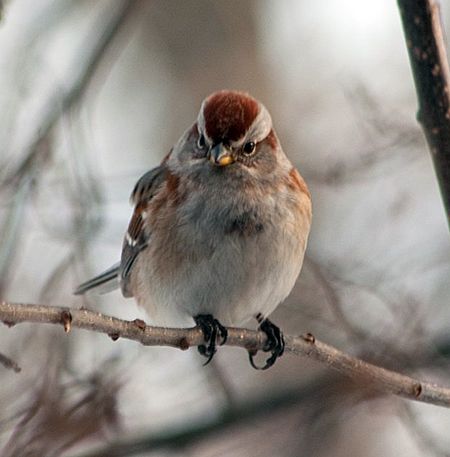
219,228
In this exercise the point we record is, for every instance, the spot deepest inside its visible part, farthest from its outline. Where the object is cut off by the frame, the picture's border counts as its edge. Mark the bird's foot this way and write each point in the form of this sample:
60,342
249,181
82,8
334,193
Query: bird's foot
274,343
210,328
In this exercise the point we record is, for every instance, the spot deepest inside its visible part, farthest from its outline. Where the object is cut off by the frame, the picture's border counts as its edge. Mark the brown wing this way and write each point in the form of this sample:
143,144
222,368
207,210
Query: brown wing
137,236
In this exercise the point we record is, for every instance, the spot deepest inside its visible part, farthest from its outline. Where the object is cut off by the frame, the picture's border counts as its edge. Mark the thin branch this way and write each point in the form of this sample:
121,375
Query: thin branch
426,441
83,70
372,376
35,151
334,300
321,390
9,363
427,54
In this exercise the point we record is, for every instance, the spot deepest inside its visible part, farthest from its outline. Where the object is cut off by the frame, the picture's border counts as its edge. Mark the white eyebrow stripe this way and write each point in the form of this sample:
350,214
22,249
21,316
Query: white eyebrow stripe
201,122
261,125
258,130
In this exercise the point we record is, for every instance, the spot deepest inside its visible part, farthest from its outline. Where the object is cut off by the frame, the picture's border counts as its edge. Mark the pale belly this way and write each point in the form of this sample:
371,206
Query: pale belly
233,279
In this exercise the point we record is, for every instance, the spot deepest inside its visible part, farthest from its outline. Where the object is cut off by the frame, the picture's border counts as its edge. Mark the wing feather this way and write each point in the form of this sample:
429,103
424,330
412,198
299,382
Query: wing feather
138,234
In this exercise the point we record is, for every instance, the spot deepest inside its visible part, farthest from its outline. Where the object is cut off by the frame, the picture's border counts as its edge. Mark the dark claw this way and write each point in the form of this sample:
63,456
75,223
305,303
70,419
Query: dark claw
210,328
274,344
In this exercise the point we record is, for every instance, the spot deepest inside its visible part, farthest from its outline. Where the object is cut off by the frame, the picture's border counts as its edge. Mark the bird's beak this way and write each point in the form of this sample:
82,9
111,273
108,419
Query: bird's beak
220,155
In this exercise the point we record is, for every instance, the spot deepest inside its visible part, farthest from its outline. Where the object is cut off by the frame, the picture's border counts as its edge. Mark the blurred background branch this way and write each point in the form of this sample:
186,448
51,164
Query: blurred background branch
9,363
376,279
265,408
35,152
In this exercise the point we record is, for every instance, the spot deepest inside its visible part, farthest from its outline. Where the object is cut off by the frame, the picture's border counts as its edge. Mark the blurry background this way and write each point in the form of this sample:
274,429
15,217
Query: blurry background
93,93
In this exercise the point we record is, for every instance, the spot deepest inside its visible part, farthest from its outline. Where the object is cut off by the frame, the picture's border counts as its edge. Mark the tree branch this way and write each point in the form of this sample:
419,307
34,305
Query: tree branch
9,363
372,376
248,411
93,52
35,151
427,54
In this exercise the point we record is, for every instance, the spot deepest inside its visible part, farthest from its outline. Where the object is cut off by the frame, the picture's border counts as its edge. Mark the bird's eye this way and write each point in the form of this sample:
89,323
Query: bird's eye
249,148
201,141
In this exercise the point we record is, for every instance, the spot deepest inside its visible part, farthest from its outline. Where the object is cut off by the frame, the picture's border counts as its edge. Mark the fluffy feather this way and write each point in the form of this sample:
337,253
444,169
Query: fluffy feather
222,240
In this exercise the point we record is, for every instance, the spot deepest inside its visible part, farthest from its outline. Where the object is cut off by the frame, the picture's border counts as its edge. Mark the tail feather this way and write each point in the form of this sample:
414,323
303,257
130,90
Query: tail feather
103,283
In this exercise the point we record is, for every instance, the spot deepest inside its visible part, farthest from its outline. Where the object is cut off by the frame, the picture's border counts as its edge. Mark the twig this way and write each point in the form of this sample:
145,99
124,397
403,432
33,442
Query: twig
93,52
372,376
247,411
427,442
9,363
425,41
334,300
35,151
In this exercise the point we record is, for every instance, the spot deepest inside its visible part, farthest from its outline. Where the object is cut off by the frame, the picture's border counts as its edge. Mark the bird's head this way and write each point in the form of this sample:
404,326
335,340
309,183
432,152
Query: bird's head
231,126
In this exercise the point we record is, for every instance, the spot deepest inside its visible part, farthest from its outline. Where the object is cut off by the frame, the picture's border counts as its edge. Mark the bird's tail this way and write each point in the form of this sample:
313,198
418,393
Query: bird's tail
103,283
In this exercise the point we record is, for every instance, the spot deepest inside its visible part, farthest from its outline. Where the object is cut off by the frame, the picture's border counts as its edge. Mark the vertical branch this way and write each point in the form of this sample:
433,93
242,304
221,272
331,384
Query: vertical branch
426,47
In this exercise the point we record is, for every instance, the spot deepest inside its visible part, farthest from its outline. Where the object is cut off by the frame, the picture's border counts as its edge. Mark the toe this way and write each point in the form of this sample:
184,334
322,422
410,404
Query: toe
210,328
274,344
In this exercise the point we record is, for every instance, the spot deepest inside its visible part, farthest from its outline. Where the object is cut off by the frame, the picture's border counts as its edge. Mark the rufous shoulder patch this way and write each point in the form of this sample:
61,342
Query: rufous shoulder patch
295,181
